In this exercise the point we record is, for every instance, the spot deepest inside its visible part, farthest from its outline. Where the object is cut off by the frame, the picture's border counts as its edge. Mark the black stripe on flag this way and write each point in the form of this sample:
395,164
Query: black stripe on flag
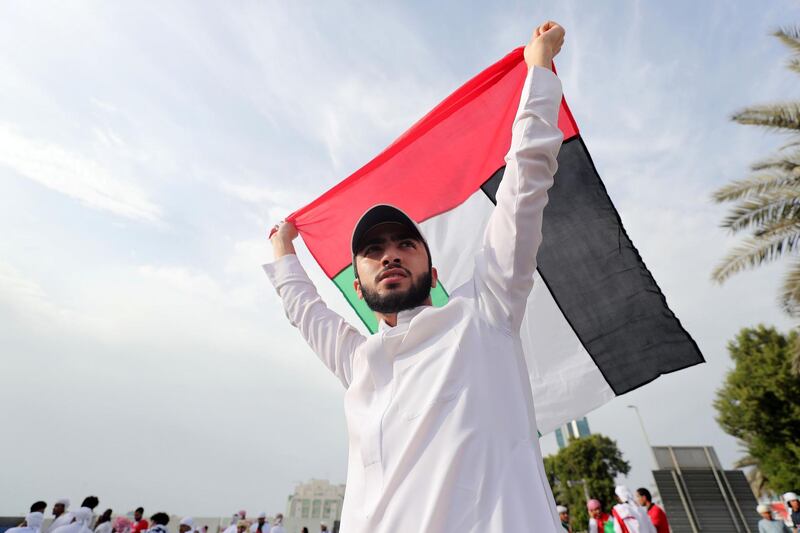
600,282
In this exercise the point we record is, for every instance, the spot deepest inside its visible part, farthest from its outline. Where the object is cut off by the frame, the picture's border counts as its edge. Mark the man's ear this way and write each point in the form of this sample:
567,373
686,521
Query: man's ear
434,277
357,288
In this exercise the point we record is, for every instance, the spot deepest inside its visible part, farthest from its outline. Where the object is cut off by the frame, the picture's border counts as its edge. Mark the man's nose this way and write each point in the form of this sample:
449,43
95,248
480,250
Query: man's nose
390,256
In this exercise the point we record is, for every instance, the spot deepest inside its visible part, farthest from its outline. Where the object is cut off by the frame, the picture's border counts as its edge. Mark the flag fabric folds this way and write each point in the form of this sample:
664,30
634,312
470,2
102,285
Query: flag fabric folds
596,325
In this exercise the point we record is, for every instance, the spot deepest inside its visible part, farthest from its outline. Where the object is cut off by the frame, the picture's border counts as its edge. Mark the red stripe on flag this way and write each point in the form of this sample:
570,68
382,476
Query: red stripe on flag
432,168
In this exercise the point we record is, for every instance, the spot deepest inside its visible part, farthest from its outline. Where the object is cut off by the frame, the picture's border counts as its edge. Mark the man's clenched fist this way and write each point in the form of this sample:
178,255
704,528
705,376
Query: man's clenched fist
281,235
545,44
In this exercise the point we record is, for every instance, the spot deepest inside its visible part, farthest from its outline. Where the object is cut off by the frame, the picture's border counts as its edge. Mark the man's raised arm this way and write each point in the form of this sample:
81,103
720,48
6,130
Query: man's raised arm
329,335
507,261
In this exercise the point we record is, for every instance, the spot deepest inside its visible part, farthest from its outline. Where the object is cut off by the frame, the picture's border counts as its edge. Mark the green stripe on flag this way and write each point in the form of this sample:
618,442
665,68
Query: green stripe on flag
344,281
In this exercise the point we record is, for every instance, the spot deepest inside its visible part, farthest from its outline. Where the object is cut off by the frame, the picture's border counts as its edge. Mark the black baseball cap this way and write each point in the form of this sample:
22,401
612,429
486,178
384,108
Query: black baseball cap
381,214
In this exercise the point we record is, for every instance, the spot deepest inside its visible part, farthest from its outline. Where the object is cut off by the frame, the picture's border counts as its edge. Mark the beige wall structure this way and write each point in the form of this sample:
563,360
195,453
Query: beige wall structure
312,503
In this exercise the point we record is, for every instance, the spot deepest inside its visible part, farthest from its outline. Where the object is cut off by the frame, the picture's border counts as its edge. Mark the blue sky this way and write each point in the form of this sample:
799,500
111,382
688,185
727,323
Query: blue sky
146,147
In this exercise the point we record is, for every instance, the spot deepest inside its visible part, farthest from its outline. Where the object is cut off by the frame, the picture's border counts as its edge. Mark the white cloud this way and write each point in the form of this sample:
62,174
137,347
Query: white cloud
74,175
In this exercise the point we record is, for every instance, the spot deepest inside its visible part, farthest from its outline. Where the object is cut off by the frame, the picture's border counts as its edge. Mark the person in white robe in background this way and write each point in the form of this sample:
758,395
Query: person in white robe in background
61,515
82,518
31,524
633,515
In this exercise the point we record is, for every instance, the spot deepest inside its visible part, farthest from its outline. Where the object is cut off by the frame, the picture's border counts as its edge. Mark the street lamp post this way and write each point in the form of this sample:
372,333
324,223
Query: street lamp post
644,432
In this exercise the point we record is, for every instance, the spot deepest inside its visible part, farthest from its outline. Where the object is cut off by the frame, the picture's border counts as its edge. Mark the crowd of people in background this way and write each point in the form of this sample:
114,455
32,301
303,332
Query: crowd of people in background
84,520
770,524
640,515
631,514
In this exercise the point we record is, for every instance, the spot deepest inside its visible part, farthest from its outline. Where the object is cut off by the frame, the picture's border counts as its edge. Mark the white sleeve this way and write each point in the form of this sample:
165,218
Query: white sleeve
505,265
329,335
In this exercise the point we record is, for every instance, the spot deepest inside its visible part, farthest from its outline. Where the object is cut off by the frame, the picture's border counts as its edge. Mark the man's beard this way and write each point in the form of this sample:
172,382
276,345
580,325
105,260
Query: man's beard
397,301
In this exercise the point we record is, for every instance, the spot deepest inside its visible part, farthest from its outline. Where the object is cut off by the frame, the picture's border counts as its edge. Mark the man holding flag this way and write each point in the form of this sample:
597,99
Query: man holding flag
439,407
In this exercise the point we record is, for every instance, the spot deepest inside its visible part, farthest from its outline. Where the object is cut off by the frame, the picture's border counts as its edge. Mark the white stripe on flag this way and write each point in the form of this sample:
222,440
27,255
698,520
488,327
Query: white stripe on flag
566,381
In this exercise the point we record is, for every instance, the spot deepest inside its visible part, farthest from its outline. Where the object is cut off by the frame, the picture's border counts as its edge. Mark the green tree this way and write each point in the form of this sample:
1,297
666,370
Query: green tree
759,404
587,465
768,201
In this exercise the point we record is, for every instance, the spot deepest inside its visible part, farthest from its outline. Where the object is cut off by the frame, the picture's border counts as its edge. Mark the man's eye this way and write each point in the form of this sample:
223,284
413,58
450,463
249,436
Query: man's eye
408,243
370,250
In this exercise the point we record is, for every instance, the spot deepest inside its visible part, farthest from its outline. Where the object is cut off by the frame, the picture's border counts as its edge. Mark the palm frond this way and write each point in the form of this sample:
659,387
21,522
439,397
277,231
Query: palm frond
786,162
790,295
794,65
764,210
756,185
796,355
789,145
755,477
782,116
790,36
784,227
755,251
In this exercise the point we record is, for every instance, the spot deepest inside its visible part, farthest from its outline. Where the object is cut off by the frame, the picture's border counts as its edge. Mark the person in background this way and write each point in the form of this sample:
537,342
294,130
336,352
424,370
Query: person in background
793,506
237,516
563,515
122,524
599,522
262,525
37,507
31,524
103,524
304,530
159,521
656,513
139,525
768,524
629,517
231,525
60,515
186,524
242,526
277,524
90,502
323,527
82,518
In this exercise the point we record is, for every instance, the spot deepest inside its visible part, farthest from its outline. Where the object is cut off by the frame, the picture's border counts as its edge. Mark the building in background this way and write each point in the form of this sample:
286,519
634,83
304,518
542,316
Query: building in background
572,430
699,496
314,502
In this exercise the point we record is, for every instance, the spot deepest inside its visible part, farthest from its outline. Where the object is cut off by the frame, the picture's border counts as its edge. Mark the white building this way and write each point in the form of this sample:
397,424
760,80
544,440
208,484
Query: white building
314,502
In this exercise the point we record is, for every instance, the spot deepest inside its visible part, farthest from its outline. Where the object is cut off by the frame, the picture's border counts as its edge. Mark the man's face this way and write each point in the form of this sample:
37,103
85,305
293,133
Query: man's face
564,517
261,520
184,528
241,529
137,515
767,515
392,269
641,500
594,513
58,509
795,505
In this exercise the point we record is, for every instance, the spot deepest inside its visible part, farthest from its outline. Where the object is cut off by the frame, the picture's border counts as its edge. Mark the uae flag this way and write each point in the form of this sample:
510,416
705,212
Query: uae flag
596,324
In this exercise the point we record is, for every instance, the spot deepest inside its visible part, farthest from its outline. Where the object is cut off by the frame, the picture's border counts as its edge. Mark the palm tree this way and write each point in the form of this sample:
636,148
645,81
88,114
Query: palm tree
755,477
768,201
